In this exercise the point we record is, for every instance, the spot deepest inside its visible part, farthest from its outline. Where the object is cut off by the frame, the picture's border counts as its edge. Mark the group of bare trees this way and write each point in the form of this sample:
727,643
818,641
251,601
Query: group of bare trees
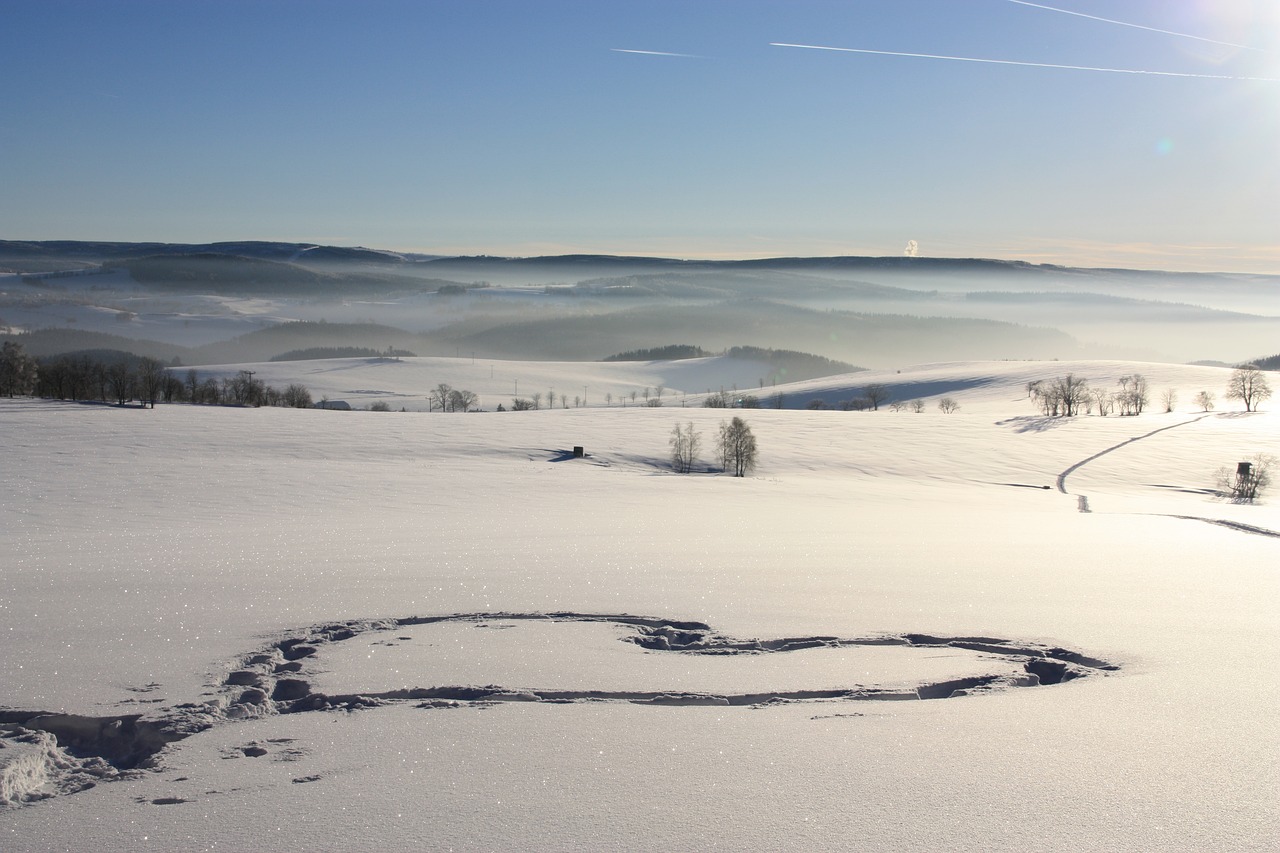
1065,395
118,381
1072,395
685,444
534,401
444,398
724,399
1132,397
242,389
735,447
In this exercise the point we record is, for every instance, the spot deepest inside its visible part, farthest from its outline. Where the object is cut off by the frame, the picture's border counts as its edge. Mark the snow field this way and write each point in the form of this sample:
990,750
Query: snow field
149,552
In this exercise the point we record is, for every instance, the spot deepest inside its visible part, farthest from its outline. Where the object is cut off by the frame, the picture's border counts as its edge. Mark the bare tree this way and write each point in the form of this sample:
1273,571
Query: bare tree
1169,399
1205,401
875,394
80,371
1103,400
151,377
121,381
243,390
537,400
608,398
173,388
737,447
948,405
917,406
685,443
439,397
97,379
1133,396
297,396
461,400
1248,384
519,404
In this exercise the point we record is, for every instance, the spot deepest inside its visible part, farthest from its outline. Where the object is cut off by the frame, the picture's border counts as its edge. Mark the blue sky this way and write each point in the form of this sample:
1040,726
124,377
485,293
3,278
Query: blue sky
518,128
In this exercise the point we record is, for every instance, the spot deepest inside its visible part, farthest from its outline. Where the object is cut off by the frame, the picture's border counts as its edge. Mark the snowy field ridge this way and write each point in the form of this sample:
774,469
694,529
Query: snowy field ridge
428,630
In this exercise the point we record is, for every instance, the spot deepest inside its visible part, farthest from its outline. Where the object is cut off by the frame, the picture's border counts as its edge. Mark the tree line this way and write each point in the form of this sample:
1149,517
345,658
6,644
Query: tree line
123,378
1070,395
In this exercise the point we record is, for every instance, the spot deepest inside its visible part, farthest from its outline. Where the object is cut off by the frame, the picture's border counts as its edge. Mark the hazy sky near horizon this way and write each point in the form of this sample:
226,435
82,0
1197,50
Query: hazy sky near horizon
687,129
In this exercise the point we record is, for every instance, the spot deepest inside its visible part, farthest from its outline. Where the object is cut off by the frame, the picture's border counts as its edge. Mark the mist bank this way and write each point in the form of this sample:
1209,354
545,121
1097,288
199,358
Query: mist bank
217,303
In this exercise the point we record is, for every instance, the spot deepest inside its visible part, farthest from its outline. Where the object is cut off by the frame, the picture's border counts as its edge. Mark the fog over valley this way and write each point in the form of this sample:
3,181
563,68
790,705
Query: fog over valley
223,303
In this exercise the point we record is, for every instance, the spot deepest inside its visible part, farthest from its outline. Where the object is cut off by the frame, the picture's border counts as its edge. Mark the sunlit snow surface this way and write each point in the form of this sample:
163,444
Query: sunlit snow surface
150,554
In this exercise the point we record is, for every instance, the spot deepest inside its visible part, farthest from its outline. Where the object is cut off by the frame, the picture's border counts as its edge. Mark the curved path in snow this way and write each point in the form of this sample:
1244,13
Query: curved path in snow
1062,478
1083,500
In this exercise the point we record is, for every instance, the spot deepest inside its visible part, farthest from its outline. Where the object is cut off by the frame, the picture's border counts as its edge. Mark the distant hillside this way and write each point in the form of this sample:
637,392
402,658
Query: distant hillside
842,263
42,343
210,272
731,283
787,365
1101,302
266,344
875,339
315,353
99,251
792,366
581,266
672,352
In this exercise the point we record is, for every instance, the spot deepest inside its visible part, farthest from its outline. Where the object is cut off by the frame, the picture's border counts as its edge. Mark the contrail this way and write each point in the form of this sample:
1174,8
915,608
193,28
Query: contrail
652,52
1028,64
1135,26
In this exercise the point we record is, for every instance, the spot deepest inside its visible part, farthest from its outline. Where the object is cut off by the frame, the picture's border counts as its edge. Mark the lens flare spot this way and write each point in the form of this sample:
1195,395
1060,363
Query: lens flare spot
1164,146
